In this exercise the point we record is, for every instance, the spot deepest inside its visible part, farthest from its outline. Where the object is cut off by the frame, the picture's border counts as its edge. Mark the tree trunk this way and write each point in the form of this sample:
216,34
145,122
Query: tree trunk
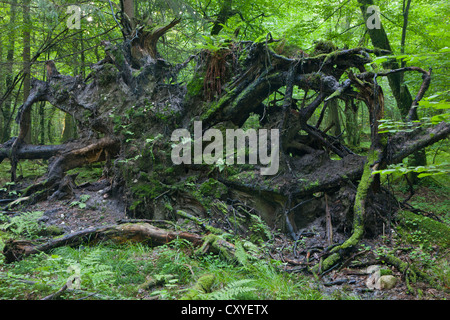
127,7
353,132
27,67
69,128
42,123
380,40
399,88
6,107
224,14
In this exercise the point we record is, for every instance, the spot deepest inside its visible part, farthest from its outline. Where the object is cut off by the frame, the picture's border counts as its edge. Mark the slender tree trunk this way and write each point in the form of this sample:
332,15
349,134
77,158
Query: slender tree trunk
26,64
399,88
224,13
351,124
128,9
333,117
380,40
6,108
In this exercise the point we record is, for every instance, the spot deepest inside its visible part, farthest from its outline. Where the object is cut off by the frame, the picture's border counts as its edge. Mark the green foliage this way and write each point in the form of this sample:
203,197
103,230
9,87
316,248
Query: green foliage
424,171
236,290
113,271
422,230
25,224
82,202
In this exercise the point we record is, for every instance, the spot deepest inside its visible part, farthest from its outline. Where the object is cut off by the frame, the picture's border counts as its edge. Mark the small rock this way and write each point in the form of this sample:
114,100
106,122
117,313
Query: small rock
372,269
387,282
372,281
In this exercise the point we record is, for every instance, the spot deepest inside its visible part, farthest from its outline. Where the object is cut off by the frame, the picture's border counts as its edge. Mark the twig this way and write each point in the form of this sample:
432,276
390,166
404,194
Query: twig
114,15
56,294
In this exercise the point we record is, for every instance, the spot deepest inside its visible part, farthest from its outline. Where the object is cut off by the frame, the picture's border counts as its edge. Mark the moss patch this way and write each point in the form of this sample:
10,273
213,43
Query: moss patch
203,285
420,229
213,188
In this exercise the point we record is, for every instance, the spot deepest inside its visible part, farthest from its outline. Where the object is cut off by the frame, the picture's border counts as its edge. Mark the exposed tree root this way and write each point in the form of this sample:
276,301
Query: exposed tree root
410,272
359,209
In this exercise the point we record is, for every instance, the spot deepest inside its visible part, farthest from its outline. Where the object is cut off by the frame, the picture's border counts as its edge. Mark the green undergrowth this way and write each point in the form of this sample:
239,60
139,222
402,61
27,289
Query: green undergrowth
422,230
110,271
90,173
29,169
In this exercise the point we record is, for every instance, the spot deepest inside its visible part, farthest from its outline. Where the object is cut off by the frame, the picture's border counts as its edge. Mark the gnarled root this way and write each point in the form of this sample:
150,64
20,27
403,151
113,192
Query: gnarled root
364,186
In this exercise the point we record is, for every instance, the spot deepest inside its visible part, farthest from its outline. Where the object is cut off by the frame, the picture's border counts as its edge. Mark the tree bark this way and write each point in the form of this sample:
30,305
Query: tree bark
224,14
6,107
27,68
380,40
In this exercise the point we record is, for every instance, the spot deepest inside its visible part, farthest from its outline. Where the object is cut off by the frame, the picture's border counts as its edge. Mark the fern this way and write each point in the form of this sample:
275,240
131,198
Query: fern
95,270
26,224
240,254
235,290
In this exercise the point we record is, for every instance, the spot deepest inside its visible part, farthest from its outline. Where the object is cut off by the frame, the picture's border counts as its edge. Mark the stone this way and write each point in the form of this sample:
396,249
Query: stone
387,282
372,281
372,269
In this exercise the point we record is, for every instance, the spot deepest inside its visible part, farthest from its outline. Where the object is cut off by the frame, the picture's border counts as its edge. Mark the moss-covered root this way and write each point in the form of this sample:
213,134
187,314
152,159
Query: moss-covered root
199,222
216,244
411,273
358,217
202,286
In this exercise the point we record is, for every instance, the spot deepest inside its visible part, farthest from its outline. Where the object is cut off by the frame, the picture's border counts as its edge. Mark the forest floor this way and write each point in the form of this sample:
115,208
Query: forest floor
91,208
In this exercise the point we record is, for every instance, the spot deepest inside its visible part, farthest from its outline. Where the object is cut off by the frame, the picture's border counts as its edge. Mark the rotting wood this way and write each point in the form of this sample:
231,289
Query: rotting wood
146,233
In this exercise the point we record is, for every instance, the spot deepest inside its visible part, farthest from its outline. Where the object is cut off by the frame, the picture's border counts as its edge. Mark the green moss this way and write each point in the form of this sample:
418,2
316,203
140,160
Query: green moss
385,272
358,216
202,286
415,228
213,188
195,86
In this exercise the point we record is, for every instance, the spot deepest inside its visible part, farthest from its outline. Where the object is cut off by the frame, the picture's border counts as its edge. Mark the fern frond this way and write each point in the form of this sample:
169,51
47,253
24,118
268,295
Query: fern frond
234,290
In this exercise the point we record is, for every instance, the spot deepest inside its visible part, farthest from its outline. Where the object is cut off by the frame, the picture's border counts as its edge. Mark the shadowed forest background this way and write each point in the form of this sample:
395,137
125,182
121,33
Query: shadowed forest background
94,208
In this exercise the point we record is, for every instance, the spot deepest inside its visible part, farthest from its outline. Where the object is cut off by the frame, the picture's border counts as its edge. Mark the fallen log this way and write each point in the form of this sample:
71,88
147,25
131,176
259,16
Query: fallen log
146,233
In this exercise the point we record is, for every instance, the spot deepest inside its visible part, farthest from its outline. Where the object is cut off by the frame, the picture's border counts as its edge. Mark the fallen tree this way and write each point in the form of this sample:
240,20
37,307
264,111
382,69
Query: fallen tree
127,107
141,232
